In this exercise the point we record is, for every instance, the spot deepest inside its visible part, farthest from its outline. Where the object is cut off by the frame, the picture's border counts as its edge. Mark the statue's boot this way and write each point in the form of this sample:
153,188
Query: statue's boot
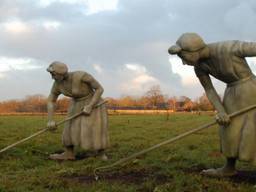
102,154
219,172
104,157
67,155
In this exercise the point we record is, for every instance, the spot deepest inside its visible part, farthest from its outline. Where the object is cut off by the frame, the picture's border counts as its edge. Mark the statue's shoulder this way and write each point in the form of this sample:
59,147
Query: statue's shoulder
77,74
81,75
223,43
223,47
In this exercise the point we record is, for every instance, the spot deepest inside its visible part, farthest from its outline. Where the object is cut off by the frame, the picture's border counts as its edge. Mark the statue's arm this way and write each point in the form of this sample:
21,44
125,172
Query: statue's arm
245,49
96,86
214,98
211,93
51,125
51,102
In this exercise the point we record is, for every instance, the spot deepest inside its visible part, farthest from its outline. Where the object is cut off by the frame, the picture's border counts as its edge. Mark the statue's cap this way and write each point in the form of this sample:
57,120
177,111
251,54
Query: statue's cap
57,67
188,42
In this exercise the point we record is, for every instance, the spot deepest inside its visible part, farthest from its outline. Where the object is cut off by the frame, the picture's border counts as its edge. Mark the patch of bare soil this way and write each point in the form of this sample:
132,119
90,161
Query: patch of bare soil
244,177
135,177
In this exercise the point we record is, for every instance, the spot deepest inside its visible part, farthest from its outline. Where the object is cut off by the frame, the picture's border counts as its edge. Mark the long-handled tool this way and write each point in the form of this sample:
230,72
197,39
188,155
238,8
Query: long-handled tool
124,160
46,129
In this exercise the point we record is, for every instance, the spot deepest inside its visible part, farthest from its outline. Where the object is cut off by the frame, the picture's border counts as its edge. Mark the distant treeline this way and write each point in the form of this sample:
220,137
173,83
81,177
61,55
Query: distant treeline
32,104
152,99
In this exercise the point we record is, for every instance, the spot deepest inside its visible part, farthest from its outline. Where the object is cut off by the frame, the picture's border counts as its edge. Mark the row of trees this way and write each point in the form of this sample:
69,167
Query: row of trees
33,104
152,99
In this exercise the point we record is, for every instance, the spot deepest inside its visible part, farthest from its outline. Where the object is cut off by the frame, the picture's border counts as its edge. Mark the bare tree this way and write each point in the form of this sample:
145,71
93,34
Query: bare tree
172,102
155,97
204,104
62,104
33,103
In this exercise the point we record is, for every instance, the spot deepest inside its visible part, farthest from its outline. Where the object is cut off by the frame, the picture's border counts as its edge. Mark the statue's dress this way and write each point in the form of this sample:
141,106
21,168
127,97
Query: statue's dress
89,132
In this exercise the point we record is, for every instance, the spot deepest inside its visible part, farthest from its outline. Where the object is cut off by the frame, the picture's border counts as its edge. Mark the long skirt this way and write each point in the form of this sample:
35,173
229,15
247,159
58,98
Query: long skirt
238,140
88,132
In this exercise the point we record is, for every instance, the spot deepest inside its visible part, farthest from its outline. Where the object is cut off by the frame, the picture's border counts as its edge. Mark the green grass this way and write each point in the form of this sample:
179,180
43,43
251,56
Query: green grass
175,167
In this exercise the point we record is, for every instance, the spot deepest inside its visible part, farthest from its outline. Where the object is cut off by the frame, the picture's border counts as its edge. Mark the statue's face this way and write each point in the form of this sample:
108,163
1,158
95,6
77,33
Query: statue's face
57,77
189,58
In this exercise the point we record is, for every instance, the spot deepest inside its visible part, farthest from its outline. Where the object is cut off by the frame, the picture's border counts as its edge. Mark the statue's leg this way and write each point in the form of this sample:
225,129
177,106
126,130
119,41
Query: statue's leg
226,171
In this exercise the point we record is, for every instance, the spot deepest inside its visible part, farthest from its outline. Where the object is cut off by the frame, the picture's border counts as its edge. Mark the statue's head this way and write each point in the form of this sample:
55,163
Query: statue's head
188,48
58,70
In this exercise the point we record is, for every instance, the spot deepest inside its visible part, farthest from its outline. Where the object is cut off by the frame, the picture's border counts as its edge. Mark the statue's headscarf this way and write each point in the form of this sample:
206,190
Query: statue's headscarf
188,42
58,67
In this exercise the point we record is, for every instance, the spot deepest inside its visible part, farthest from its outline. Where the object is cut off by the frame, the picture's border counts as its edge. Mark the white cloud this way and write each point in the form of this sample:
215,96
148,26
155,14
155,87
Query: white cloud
93,6
97,68
96,6
186,73
143,78
16,26
252,63
136,68
46,3
2,76
51,25
8,64
136,79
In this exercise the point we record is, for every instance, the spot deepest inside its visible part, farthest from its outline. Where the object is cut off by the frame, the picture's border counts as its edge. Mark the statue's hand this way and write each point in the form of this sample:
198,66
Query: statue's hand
223,118
87,109
51,125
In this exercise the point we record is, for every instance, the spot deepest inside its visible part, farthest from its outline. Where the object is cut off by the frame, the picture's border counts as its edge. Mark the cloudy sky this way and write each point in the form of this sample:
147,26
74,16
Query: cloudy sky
122,43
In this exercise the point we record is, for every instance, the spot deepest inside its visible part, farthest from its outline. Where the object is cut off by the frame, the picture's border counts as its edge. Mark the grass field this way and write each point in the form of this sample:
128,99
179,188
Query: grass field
175,167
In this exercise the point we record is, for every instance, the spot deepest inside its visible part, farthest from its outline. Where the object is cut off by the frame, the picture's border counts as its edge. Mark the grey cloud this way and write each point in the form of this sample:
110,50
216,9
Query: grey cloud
29,10
138,32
